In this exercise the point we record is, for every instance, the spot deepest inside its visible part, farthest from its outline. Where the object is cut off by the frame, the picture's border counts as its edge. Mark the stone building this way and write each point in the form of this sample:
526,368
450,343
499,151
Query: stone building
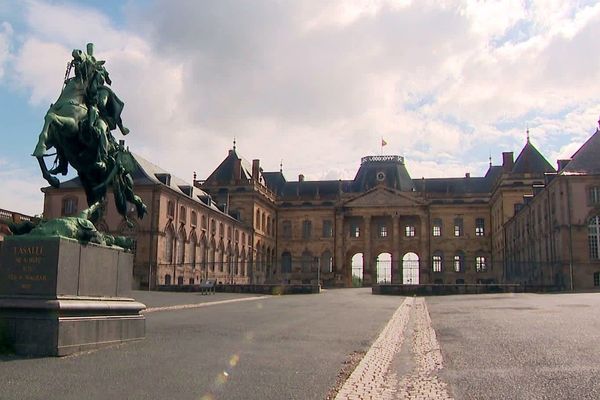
521,222
184,239
382,226
7,217
553,239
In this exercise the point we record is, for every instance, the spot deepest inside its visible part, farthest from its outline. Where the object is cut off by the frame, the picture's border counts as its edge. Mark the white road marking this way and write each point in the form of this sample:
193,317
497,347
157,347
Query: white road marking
198,305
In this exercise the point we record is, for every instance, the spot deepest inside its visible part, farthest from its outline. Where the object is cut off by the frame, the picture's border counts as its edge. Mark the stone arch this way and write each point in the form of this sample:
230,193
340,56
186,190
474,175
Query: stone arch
357,269
383,267
410,269
169,243
180,246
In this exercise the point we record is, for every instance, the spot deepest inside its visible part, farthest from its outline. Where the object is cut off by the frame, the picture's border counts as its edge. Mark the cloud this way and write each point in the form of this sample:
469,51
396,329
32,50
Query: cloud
318,85
6,33
21,190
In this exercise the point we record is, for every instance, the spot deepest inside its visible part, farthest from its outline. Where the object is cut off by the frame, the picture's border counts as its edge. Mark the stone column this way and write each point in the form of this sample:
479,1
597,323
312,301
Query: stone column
396,252
340,267
368,264
425,248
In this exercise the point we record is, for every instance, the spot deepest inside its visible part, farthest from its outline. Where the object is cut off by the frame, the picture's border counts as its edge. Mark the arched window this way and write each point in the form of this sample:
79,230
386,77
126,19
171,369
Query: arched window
286,262
170,210
179,245
306,261
221,258
480,264
437,261
192,250
594,237
182,215
169,243
326,262
211,256
410,269
459,261
436,229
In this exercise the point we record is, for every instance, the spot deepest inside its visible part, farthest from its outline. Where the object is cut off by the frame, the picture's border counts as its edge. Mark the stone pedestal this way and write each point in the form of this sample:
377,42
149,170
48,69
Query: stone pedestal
59,297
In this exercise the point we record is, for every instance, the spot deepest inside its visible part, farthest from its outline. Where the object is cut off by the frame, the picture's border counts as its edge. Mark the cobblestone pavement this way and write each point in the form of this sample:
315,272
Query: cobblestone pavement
374,377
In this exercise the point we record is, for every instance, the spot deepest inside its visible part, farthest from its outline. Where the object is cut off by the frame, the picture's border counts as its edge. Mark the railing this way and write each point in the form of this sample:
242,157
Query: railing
13,216
368,159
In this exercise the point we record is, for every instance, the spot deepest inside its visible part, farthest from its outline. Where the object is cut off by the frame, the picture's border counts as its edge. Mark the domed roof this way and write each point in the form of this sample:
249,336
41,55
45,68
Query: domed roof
382,170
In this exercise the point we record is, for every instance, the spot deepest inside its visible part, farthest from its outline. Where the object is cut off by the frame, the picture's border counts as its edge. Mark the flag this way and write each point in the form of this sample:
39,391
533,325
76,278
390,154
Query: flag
383,142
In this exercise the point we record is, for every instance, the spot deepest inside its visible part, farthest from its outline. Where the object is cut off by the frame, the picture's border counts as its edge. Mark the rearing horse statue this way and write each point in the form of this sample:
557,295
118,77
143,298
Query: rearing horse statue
78,125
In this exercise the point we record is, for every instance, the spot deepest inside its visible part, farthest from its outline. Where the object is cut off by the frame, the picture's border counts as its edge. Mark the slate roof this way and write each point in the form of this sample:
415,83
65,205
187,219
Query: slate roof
585,160
531,161
396,175
460,185
146,174
223,174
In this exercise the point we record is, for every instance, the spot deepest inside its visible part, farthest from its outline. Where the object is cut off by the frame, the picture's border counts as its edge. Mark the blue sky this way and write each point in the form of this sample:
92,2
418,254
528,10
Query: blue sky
315,84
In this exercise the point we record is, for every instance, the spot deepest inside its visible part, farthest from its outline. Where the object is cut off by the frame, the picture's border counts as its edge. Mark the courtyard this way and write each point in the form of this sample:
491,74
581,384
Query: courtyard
228,346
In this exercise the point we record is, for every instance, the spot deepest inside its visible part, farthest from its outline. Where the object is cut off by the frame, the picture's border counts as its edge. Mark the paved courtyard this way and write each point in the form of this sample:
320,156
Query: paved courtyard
230,346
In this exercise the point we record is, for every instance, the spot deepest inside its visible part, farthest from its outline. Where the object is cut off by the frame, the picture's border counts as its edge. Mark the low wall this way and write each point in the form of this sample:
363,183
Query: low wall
247,288
448,289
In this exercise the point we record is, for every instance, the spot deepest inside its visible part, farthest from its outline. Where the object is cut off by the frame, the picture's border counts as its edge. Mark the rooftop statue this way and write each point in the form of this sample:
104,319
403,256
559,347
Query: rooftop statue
78,125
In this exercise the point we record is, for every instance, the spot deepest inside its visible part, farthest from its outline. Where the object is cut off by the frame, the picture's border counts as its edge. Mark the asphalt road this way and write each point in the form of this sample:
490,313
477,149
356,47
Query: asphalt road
524,346
283,347
521,346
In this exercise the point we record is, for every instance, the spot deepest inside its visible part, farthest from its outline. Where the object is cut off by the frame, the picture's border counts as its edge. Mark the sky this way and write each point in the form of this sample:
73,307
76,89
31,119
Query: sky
313,85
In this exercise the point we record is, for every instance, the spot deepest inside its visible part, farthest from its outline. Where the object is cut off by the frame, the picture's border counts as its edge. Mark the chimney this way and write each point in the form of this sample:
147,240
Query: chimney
562,164
237,169
300,178
255,169
507,161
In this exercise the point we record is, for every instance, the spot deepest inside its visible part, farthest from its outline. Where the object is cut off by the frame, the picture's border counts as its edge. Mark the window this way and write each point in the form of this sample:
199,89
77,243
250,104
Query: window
458,227
170,210
203,220
327,229
480,265
179,245
307,261
182,214
286,229
383,231
326,262
194,218
479,227
409,231
169,242
596,278
354,231
306,229
594,237
221,229
286,262
436,230
437,261
213,226
594,194
459,262
167,279
69,206
257,219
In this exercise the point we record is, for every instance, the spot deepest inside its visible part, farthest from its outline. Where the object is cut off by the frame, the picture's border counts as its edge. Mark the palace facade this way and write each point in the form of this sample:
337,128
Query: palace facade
523,222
